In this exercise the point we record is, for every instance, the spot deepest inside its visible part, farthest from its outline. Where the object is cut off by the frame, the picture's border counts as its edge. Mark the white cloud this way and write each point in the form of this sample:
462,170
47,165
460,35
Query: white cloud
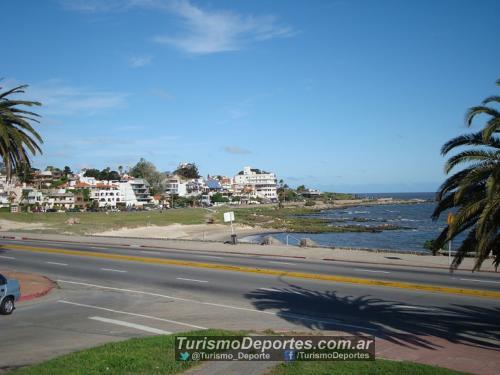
59,98
236,150
206,32
203,31
139,62
93,6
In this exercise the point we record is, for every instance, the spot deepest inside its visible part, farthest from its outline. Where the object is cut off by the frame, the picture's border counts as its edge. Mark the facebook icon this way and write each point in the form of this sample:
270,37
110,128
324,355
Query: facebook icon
289,355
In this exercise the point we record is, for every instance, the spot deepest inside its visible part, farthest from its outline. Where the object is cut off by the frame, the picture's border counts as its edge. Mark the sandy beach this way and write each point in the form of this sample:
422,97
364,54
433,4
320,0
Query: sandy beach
210,232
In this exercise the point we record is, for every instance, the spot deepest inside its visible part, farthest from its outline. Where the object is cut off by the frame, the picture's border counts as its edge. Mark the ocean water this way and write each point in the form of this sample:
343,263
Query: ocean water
415,217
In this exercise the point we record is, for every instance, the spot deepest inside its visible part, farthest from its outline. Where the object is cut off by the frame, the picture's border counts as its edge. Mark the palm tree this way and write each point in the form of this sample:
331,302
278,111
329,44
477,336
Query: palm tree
473,192
18,138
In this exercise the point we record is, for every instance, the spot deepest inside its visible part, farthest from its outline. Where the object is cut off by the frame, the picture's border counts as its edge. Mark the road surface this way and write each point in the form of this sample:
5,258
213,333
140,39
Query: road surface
106,294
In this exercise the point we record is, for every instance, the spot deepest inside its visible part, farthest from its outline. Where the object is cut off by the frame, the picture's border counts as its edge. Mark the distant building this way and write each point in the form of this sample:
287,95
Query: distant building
264,184
107,195
135,192
176,186
59,200
311,193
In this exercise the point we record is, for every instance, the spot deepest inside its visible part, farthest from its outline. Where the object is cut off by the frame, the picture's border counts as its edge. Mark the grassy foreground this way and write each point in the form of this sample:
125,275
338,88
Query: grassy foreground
155,355
379,366
94,222
290,219
150,355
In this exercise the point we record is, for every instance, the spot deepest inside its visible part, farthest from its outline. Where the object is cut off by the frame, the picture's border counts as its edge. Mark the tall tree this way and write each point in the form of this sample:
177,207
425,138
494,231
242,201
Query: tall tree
92,172
147,170
18,138
188,171
473,192
67,171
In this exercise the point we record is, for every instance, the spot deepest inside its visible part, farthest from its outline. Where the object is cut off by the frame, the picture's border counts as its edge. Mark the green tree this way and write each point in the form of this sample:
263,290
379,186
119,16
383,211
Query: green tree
67,171
24,172
187,171
18,139
473,192
147,170
219,198
108,175
92,172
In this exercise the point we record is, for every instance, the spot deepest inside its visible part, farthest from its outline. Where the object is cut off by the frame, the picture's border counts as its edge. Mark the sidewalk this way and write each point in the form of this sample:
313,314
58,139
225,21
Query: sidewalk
32,285
282,251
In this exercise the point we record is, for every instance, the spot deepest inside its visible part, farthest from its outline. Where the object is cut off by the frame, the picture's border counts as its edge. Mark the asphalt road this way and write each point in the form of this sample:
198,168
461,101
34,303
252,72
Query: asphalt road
101,300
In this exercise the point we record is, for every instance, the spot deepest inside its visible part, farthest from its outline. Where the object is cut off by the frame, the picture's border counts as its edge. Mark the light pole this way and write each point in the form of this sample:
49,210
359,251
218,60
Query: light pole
450,222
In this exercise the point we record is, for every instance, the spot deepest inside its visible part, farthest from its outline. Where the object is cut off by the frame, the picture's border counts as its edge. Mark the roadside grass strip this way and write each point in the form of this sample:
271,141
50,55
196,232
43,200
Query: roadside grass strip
379,366
156,355
266,271
150,355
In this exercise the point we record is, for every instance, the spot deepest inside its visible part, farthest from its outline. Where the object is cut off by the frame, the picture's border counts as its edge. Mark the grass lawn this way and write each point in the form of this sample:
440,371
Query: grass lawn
155,355
378,366
150,355
93,222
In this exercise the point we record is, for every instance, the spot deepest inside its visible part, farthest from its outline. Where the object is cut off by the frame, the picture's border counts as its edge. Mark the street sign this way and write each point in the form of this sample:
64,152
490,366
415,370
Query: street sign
228,217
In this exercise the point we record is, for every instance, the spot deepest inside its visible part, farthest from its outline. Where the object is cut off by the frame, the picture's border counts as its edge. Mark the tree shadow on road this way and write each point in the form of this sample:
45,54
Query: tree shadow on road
404,324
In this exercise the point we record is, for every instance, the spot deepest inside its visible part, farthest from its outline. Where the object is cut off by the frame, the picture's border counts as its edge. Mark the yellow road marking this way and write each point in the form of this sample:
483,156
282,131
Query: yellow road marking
266,271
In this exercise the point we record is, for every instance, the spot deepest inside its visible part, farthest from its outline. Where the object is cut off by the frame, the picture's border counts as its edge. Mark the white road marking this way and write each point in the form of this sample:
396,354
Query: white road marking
129,313
363,270
210,256
6,257
112,270
149,251
57,264
414,307
482,281
131,325
196,281
295,316
276,262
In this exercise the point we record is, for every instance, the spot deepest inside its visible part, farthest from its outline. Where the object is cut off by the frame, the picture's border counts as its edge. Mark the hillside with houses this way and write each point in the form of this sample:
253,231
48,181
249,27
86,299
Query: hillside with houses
55,189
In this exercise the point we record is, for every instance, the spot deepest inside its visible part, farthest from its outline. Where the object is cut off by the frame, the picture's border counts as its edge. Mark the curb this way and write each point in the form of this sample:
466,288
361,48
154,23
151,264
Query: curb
238,253
393,264
39,294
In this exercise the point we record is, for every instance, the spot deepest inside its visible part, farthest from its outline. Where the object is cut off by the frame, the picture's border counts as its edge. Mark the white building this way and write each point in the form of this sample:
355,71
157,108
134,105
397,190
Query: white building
135,192
107,195
35,198
263,183
176,186
59,200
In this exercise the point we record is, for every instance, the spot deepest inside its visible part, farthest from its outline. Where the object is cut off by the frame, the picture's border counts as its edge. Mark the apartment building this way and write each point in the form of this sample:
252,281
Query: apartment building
264,184
176,186
59,200
107,195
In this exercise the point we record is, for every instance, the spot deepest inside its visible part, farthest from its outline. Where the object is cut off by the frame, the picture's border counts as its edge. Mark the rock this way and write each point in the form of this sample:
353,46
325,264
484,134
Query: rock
73,220
307,242
270,240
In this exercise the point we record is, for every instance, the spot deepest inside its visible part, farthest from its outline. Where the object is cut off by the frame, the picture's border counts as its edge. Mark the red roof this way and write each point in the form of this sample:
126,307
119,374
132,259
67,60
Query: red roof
80,184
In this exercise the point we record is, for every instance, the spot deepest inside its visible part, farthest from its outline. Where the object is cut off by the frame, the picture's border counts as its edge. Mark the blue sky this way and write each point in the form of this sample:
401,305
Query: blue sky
341,95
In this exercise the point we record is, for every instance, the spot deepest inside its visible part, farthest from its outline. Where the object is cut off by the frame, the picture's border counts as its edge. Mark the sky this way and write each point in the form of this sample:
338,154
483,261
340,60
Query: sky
351,96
